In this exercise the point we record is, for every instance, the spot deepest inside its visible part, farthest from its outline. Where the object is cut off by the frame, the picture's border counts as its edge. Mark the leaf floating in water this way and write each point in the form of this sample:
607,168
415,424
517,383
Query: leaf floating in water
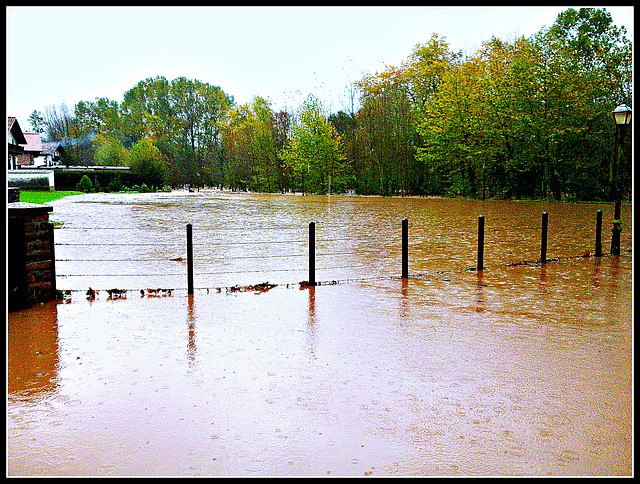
64,295
117,293
157,292
257,288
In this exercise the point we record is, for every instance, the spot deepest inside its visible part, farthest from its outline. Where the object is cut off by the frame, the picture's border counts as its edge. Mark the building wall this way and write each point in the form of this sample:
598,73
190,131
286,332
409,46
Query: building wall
26,178
25,159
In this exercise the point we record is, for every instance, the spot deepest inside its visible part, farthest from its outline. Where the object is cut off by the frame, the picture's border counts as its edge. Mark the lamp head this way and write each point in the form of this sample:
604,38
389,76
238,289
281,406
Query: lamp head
622,114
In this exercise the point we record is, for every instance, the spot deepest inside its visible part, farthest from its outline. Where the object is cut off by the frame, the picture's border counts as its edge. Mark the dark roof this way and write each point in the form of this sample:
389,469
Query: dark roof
50,147
13,127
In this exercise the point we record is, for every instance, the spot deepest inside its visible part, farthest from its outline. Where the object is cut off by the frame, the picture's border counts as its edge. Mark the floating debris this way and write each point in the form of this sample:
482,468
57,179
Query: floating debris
117,293
305,284
157,292
257,288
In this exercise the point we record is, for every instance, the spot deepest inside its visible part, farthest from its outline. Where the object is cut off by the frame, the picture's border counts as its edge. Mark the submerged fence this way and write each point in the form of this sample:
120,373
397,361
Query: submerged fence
310,267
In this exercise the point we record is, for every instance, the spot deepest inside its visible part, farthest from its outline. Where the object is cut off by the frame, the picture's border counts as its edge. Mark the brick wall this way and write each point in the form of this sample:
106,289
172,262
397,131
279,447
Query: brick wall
31,255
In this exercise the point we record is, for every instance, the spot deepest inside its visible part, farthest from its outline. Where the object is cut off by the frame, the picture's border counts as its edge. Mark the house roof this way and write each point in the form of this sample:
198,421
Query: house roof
50,147
33,143
13,127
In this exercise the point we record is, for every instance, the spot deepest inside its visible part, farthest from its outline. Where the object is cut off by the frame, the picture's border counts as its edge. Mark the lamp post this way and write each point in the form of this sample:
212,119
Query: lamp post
622,117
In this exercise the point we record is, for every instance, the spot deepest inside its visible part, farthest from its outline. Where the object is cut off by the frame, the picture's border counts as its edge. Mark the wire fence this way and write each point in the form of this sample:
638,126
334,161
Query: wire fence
133,253
221,257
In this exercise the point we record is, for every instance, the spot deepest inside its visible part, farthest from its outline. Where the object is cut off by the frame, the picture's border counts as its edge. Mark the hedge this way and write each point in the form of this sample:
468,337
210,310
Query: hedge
68,180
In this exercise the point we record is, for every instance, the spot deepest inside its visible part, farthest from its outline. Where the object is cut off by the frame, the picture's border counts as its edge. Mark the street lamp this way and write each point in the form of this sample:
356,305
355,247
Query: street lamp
622,117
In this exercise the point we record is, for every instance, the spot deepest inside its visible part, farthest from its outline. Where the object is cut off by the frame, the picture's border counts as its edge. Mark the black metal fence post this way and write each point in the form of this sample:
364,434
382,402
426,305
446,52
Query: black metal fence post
312,253
598,234
189,259
405,248
543,247
480,265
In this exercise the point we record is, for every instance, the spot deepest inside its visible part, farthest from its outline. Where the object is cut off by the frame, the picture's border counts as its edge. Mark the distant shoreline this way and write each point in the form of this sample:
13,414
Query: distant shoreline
37,196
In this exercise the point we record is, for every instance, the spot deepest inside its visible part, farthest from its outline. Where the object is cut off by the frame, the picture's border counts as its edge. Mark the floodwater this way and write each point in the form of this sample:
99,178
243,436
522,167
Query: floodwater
520,369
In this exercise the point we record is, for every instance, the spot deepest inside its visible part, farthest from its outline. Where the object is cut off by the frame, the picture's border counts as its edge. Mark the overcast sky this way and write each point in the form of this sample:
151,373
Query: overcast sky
71,54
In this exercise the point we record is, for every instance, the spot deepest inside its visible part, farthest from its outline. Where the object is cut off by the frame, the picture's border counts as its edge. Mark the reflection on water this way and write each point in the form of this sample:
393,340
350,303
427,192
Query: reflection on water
33,351
512,370
191,345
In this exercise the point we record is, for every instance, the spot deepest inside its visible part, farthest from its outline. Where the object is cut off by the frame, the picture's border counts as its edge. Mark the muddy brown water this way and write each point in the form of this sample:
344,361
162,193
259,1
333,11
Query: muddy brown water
521,369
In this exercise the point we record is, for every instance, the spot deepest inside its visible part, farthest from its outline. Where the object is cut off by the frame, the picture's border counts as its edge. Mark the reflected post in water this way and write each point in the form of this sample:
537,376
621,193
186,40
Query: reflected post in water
311,321
191,341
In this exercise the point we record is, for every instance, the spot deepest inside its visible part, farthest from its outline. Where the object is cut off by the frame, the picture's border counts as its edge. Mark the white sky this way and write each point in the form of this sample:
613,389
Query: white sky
71,54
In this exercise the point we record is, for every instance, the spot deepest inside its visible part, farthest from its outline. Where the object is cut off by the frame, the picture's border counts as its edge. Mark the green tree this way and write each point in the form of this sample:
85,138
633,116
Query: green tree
314,154
146,109
36,120
198,111
385,135
248,142
100,117
531,115
184,118
593,58
147,163
281,126
85,184
110,152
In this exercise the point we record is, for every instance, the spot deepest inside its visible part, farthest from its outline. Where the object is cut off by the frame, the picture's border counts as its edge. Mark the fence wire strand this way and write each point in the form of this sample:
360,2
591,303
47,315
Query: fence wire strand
200,259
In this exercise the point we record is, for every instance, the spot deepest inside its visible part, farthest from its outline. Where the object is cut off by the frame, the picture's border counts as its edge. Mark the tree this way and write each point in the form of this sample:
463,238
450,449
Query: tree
62,125
147,163
346,127
422,73
146,109
393,104
36,120
594,58
314,154
184,118
532,115
281,126
110,152
385,134
85,184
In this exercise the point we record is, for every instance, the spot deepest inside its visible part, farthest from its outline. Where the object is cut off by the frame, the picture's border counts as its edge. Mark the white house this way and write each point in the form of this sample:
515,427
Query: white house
50,155
15,142
32,149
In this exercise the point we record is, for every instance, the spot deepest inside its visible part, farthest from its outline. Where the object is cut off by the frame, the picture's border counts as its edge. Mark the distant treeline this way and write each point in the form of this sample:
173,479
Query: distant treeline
527,117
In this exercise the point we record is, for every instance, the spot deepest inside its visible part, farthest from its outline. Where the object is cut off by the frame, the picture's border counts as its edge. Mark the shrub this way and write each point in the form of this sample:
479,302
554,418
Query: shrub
85,184
116,184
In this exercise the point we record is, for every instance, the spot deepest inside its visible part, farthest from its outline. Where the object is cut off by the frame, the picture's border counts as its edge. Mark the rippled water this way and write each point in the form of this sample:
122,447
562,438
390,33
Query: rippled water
523,369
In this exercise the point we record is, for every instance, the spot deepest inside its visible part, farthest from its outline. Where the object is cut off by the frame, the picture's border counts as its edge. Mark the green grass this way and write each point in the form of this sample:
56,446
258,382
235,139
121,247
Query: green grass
43,197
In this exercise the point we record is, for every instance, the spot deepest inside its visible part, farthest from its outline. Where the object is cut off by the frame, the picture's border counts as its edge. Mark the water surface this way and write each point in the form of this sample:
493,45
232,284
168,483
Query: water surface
518,369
